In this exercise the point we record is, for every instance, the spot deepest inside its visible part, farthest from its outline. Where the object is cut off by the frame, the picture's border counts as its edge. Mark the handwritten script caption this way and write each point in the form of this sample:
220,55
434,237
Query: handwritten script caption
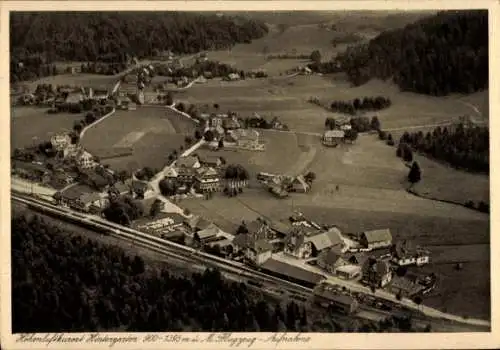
217,339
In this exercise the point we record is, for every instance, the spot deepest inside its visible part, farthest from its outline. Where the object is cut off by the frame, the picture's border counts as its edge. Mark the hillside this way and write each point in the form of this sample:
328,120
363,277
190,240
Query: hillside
438,55
38,39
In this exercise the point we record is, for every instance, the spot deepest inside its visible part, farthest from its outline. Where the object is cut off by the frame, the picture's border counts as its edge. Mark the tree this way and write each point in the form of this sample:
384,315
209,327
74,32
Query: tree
209,136
156,207
310,177
414,175
375,123
351,135
330,123
167,187
90,118
169,100
316,56
198,135
221,143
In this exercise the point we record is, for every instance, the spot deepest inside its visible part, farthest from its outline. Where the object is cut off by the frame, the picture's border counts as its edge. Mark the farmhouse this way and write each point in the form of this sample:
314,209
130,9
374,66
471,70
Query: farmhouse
81,198
185,176
376,272
207,180
303,242
376,239
60,142
332,137
188,162
326,296
348,272
261,229
403,253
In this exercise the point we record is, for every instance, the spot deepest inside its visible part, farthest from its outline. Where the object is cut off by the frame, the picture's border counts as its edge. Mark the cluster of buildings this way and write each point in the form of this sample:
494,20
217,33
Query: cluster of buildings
228,128
203,174
337,135
281,185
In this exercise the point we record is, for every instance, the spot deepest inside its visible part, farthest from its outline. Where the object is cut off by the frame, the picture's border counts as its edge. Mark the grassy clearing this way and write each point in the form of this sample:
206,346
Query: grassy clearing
152,133
31,125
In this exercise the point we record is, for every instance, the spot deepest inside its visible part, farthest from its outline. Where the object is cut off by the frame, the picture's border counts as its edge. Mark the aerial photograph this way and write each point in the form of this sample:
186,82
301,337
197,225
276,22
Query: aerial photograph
300,171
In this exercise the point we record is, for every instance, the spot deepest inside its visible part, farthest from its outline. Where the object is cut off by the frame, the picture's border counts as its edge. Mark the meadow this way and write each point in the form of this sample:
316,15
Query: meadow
32,125
152,132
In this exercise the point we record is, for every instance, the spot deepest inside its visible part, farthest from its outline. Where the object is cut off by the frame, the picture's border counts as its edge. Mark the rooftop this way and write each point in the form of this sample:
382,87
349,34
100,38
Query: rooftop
378,235
291,271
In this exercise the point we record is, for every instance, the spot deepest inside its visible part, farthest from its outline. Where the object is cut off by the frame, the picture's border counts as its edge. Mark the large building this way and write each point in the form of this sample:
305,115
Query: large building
376,239
333,138
207,180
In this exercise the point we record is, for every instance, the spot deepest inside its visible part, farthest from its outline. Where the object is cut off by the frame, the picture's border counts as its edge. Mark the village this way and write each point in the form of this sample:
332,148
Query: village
342,267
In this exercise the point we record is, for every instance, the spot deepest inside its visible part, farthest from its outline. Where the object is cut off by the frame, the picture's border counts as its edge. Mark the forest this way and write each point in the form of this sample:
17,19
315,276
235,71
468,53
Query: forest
438,55
39,39
460,146
65,281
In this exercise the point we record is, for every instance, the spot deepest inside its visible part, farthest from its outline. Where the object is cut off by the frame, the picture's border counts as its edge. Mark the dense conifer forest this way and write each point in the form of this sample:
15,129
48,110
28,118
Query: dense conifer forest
438,55
39,39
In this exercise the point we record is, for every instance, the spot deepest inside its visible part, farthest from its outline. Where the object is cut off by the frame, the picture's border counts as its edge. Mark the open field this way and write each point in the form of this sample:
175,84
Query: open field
32,125
152,133
287,98
445,183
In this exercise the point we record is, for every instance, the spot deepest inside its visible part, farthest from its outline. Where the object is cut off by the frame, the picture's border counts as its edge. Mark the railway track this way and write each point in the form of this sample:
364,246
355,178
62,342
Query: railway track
227,267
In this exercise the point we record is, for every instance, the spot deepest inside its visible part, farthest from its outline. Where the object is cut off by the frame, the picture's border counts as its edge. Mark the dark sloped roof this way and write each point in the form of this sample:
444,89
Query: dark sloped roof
242,240
326,239
187,162
330,256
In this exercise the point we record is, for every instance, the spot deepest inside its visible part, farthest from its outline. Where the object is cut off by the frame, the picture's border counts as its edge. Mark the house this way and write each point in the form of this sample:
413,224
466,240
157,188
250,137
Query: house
376,272
327,296
208,233
208,74
348,272
245,138
215,121
185,176
375,239
90,202
261,229
188,162
84,159
405,287
211,161
207,180
303,242
299,184
257,250
403,254
333,137
277,190
60,142
196,223
120,188
331,259
81,197
97,181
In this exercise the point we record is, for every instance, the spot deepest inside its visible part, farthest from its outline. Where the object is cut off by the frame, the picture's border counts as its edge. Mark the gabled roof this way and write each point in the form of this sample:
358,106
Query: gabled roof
245,134
378,235
209,159
121,187
254,226
326,239
187,162
207,172
331,256
242,240
380,267
210,231
197,222
185,171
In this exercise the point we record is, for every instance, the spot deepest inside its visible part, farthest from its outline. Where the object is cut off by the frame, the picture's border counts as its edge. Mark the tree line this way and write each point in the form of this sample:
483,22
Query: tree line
41,38
437,55
460,146
361,104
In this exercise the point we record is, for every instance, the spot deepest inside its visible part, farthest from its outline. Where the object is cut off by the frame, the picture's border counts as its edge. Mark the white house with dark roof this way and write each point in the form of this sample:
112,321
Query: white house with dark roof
303,242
